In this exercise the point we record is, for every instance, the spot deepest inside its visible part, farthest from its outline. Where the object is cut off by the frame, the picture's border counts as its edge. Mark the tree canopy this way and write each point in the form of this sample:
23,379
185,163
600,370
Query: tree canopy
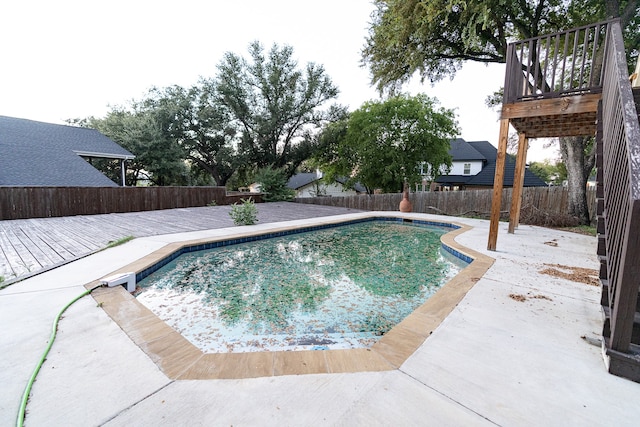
200,125
381,144
552,174
275,104
254,113
434,37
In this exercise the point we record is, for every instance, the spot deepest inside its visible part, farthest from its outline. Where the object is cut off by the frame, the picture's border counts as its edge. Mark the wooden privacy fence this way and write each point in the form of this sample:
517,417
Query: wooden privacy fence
552,200
43,202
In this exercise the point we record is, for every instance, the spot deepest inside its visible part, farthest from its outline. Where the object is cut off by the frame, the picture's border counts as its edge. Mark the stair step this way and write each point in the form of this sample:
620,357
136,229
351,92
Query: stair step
606,332
625,365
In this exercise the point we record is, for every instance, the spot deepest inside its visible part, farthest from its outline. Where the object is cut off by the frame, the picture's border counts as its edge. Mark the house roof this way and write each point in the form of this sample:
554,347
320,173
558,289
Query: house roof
300,180
462,150
454,179
486,175
44,154
357,186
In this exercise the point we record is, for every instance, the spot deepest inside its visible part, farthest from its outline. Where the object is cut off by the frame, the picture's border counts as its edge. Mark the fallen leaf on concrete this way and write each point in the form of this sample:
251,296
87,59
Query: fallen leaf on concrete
575,274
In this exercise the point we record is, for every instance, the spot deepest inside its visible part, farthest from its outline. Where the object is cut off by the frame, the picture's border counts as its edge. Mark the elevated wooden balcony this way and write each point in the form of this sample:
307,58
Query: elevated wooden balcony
553,83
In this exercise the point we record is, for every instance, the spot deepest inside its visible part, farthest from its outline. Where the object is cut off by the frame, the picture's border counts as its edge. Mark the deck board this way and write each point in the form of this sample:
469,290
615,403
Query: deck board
22,260
40,250
8,256
51,238
28,246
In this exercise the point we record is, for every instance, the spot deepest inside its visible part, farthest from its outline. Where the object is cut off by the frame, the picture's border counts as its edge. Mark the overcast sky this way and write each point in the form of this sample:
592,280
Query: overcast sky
64,59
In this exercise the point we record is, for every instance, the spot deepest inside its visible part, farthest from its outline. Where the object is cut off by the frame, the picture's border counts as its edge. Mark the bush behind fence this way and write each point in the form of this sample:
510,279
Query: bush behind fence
43,202
536,202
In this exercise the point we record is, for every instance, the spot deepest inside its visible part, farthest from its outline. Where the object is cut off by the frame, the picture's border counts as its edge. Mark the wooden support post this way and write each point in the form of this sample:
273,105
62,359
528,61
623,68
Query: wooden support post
518,182
498,181
123,172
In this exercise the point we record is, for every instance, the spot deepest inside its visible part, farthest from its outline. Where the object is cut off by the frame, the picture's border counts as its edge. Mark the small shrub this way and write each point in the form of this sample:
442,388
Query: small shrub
244,213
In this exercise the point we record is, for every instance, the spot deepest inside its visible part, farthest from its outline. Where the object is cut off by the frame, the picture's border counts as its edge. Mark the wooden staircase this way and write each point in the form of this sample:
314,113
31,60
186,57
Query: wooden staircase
622,363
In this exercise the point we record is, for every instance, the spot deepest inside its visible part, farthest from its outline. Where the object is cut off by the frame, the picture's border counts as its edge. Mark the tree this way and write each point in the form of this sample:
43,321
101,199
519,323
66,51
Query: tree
179,136
552,174
202,127
256,113
382,143
273,183
434,37
275,105
158,159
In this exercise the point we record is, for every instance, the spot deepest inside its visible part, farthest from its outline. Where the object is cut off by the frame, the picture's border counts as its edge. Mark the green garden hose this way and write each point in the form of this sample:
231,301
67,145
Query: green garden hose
54,330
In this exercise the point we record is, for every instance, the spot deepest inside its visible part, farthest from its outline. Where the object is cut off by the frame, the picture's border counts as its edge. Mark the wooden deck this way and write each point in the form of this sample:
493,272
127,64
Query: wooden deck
30,246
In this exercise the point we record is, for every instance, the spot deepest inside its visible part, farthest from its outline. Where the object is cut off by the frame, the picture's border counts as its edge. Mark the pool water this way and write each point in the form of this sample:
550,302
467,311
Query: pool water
335,288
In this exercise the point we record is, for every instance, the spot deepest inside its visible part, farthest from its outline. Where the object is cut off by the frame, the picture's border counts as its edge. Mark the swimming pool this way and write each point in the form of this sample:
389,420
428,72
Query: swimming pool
330,287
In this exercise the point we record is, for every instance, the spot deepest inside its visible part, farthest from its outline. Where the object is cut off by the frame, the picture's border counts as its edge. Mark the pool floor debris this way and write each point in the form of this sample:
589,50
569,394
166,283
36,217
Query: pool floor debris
338,288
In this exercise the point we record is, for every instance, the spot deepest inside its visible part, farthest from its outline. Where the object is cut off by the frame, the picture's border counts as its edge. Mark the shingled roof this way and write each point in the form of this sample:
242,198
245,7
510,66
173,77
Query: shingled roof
483,150
44,154
300,180
486,176
462,150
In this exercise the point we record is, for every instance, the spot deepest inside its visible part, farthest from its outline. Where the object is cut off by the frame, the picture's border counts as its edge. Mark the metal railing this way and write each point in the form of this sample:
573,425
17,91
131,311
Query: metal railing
555,65
619,204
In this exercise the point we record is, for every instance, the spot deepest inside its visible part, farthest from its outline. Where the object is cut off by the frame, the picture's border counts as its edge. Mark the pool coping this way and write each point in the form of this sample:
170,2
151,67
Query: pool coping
179,359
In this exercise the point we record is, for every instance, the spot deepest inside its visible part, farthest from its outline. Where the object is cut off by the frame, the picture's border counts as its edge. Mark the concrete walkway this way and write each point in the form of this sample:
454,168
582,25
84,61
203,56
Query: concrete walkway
515,351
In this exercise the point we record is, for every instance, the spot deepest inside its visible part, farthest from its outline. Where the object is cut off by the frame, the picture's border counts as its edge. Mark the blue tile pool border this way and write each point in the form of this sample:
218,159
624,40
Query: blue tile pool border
269,235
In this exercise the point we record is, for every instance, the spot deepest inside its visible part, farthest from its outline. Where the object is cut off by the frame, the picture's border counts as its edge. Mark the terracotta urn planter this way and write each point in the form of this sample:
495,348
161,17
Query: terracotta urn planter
405,204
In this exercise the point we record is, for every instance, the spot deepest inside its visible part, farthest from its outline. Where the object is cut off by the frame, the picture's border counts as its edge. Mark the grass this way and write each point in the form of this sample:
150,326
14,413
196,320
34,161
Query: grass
587,230
119,242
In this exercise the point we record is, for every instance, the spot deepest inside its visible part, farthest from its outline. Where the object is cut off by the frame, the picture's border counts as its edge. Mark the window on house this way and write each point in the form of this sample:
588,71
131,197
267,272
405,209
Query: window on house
467,169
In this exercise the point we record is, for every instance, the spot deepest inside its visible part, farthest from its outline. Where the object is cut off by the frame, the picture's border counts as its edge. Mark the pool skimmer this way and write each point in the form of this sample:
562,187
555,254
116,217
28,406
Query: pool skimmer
120,279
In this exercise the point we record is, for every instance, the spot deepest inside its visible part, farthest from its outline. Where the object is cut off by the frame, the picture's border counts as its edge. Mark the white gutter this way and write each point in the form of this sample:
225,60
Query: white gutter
105,155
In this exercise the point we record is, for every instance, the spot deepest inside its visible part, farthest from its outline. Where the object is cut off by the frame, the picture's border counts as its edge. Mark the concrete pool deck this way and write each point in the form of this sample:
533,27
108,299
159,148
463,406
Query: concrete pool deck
517,350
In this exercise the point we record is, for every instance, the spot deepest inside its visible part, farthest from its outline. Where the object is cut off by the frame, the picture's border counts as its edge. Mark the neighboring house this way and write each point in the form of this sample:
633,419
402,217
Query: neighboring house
474,167
311,185
44,154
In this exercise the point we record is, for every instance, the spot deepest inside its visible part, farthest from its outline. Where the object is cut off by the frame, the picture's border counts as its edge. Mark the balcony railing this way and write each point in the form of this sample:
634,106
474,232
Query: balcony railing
555,65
